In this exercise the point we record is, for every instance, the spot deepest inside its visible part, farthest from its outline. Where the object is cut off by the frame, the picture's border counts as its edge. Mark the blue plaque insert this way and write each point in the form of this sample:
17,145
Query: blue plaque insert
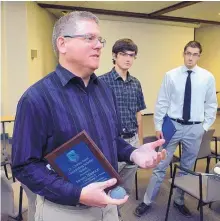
81,162
80,166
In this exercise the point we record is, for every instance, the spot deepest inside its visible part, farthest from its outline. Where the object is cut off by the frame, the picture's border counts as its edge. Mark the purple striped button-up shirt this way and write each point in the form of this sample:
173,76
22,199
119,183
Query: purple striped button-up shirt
52,111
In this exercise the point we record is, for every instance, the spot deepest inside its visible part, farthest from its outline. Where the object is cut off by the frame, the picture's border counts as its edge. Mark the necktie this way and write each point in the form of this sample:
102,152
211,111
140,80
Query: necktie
187,98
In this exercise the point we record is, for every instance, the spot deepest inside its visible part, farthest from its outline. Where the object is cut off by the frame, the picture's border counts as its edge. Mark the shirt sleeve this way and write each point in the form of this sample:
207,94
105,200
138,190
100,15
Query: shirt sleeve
210,105
30,138
140,99
162,104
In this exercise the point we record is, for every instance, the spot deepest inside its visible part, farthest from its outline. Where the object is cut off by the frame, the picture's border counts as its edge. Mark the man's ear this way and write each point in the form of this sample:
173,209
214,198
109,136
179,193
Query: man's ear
114,56
61,45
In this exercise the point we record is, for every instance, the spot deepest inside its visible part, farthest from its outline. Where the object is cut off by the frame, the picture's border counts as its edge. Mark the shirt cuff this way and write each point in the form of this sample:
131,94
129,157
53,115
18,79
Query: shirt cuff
205,127
130,156
158,127
130,151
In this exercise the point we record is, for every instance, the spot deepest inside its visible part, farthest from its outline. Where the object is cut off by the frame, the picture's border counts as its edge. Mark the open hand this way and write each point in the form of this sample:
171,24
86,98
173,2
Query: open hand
146,157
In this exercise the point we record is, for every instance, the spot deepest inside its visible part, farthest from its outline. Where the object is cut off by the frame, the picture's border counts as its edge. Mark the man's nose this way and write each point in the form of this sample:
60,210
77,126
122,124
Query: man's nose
99,44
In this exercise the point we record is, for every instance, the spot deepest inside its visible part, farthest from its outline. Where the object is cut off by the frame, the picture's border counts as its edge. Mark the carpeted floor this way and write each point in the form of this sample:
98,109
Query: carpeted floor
158,210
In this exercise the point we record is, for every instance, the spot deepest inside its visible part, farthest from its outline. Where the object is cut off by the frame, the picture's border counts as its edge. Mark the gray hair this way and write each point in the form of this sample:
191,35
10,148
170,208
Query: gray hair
69,23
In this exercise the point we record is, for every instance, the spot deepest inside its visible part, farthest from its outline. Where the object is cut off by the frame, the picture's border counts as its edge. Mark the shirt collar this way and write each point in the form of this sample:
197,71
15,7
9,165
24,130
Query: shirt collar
117,76
65,75
185,69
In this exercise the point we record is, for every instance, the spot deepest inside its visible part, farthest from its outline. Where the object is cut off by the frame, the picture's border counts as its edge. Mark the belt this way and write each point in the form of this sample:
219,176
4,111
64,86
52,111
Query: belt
186,122
128,135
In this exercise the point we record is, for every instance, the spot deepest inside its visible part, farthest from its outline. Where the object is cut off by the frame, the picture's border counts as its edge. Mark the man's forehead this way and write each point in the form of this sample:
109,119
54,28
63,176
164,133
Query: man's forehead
82,24
194,50
82,27
129,52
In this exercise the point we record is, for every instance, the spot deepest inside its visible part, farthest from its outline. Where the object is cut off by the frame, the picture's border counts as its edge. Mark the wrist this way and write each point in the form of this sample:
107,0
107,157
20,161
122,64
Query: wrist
82,196
132,156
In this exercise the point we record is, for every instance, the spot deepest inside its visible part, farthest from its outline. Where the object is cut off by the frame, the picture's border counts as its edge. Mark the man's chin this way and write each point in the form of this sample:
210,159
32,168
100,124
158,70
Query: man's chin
94,67
128,67
190,65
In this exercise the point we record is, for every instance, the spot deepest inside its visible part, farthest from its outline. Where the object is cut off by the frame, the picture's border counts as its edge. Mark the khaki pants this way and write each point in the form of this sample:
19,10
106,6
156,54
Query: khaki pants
127,172
48,211
191,137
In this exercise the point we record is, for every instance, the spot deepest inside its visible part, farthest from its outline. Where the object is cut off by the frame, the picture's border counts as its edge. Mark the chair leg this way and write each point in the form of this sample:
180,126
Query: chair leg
13,178
201,212
207,167
169,201
216,149
136,186
198,206
180,149
210,205
195,166
6,171
19,218
171,170
208,164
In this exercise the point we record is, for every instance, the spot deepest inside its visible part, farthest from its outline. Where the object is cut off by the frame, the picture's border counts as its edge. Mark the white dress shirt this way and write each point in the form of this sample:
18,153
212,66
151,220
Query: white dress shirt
171,96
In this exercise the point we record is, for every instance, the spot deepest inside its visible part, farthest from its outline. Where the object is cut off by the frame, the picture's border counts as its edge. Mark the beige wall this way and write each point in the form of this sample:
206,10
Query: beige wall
3,60
24,26
40,26
158,44
160,49
14,55
209,37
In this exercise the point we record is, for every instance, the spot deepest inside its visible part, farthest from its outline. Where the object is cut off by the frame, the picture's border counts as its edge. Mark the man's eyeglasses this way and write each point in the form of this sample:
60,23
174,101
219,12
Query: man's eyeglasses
92,39
188,54
124,54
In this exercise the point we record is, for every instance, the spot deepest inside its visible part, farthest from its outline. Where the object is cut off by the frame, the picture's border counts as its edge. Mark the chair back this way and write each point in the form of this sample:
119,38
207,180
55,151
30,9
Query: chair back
205,147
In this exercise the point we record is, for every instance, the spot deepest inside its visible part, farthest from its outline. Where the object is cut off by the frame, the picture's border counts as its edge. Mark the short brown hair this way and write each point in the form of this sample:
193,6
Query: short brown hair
193,44
122,45
67,25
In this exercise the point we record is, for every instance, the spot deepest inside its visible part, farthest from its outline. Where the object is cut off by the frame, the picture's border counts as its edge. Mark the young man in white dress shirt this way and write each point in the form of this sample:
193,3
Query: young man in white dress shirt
188,96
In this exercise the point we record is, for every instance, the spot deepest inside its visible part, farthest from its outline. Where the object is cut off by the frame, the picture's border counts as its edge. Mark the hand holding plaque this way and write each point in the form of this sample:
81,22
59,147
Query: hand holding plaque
82,163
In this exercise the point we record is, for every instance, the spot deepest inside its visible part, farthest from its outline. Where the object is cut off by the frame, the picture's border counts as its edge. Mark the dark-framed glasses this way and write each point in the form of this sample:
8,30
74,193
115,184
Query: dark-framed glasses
90,38
125,54
195,55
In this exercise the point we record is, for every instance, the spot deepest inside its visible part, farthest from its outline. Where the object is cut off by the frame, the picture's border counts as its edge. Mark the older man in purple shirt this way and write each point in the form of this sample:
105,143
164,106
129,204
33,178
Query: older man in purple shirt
58,107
